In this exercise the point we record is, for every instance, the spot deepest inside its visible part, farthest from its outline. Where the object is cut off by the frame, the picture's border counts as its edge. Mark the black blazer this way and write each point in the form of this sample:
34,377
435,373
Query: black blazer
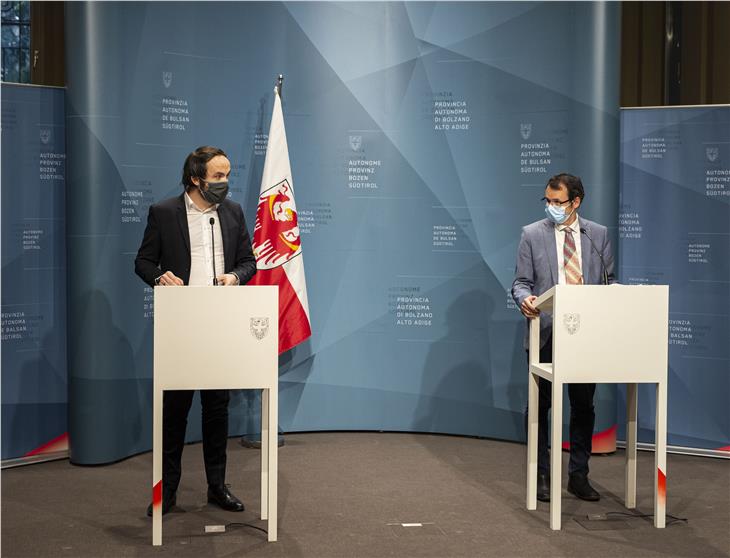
166,242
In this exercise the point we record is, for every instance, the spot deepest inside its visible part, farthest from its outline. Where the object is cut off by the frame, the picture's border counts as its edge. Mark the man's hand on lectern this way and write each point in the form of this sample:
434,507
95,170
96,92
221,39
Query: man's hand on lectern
527,308
169,279
227,280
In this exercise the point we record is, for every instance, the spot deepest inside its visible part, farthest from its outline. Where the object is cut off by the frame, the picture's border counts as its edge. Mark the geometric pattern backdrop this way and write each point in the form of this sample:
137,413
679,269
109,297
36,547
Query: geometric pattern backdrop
421,136
34,390
674,229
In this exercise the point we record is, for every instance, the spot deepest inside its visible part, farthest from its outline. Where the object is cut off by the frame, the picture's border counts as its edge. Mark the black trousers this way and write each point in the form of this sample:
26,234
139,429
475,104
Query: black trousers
176,405
582,421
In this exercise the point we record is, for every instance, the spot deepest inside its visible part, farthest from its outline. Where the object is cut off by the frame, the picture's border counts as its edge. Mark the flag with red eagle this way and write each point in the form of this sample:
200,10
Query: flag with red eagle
276,241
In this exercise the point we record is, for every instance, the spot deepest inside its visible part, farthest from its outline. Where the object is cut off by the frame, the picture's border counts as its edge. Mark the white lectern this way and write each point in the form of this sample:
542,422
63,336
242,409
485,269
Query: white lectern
601,334
242,324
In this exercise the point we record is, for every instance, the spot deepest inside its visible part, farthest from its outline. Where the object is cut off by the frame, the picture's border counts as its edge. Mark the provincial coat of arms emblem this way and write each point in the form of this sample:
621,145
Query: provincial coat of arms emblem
259,327
276,232
571,323
525,130
355,142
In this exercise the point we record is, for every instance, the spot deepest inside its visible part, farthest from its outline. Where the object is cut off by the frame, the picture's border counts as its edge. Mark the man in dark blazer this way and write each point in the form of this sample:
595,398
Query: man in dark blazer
197,238
562,249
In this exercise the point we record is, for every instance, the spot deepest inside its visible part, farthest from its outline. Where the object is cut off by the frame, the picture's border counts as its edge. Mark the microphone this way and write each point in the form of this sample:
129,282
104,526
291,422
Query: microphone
600,256
212,248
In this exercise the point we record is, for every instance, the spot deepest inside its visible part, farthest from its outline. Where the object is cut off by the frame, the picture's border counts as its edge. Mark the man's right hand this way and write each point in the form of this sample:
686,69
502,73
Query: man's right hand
169,279
528,309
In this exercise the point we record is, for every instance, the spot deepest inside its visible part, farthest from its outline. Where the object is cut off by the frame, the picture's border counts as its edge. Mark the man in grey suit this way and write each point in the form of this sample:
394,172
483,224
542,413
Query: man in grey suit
562,249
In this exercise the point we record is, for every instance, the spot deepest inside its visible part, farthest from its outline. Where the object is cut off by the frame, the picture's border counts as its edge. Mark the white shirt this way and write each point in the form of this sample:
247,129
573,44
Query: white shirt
560,244
201,253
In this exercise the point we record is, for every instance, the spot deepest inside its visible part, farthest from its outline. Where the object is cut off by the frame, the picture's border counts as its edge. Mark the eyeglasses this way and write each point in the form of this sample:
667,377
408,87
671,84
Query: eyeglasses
554,203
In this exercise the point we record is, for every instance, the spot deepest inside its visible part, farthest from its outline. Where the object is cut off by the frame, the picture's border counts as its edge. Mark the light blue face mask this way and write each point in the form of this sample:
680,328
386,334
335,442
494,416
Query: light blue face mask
556,214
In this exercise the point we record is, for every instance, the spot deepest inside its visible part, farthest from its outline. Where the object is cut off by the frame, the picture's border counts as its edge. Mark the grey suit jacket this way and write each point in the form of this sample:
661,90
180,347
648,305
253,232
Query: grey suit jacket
537,264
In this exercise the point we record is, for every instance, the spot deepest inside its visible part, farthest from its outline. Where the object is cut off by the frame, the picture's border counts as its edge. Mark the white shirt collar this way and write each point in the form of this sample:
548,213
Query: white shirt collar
574,227
190,205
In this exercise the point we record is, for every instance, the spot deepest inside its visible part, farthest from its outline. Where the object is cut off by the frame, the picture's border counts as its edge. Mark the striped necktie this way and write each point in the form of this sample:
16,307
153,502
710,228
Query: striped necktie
570,260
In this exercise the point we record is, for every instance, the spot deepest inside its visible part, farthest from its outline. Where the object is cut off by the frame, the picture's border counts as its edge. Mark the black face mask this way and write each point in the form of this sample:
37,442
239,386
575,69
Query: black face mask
216,192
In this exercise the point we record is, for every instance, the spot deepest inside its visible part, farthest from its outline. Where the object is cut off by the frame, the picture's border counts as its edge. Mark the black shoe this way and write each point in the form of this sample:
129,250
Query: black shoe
169,499
579,486
543,487
221,496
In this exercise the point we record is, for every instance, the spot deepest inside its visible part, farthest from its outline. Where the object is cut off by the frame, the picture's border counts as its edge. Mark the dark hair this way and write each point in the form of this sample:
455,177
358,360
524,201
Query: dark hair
572,183
196,164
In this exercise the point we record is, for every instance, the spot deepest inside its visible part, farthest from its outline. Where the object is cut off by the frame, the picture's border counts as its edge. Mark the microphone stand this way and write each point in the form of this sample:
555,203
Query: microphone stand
600,256
212,248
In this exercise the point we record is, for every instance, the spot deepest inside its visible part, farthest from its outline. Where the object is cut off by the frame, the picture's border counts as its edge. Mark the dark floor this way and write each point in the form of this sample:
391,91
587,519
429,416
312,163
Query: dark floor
348,494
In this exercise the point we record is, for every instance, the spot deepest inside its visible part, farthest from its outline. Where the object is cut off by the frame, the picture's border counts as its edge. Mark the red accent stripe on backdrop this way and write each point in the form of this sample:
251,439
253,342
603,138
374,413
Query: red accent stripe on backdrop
293,322
661,486
157,494
603,442
59,443
725,448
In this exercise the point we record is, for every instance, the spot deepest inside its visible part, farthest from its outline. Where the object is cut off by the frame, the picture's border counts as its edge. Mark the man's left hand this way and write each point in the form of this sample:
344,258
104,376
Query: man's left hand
227,280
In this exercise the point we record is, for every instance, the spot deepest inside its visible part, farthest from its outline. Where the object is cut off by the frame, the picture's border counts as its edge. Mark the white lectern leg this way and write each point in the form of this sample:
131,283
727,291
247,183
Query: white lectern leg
532,414
265,427
660,457
556,457
273,443
533,383
269,458
631,413
157,467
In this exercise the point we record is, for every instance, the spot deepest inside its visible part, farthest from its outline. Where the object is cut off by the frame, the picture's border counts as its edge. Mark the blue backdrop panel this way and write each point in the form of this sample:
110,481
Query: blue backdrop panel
34,400
421,136
675,229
